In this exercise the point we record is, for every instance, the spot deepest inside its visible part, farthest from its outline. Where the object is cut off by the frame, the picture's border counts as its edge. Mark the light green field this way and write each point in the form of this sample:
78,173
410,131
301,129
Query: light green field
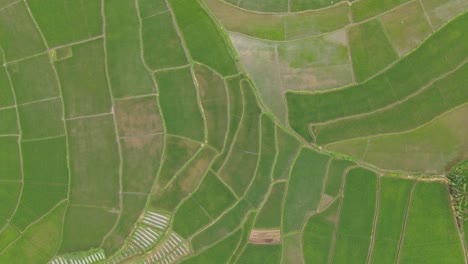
318,234
287,148
8,235
67,21
190,217
440,241
393,198
41,119
371,50
222,227
94,162
196,27
132,205
19,36
300,5
270,214
10,167
213,195
85,227
179,105
366,9
45,177
356,217
440,12
240,165
429,148
162,47
40,242
218,253
177,152
406,26
235,111
127,73
304,188
335,175
253,254
33,79
261,182
83,80
214,100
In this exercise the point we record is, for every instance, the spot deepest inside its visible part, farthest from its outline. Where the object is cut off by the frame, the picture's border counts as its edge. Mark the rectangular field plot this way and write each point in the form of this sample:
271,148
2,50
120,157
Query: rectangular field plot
240,165
84,82
263,26
179,104
219,253
39,243
318,235
292,251
304,189
7,98
19,36
253,254
10,165
259,187
141,158
269,216
66,21
9,195
363,10
189,217
214,99
439,242
33,79
393,205
138,116
85,228
185,182
287,148
162,47
221,228
8,122
204,40
406,26
45,179
370,49
127,73
316,22
94,162
132,207
41,119
213,195
356,217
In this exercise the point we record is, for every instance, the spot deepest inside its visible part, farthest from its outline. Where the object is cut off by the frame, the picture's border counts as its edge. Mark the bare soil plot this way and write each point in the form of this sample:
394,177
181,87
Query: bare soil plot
272,236
440,12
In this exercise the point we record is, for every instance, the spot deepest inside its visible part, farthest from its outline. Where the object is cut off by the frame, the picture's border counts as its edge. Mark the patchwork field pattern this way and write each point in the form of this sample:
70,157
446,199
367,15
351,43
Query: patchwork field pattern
211,131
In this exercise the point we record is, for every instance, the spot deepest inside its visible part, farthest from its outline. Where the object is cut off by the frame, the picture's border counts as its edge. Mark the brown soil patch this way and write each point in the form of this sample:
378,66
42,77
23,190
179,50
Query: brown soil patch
324,201
272,236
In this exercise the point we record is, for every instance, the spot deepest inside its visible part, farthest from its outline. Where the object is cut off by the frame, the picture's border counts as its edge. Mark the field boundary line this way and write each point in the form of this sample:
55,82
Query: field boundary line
87,116
200,104
43,138
376,219
76,42
142,135
395,103
18,124
136,97
399,132
116,128
157,14
9,135
426,15
275,161
8,107
348,49
40,101
403,230
176,174
10,4
174,68
225,184
91,206
134,193
228,117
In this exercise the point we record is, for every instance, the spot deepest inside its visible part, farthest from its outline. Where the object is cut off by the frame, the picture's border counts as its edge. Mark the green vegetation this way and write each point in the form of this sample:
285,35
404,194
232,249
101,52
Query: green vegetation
370,49
287,148
458,179
271,213
300,5
260,254
10,165
365,9
265,5
335,176
189,217
304,188
179,105
41,119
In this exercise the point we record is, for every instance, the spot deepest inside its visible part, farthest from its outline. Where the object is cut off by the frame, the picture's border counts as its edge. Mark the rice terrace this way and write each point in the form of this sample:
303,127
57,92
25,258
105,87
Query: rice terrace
234,131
